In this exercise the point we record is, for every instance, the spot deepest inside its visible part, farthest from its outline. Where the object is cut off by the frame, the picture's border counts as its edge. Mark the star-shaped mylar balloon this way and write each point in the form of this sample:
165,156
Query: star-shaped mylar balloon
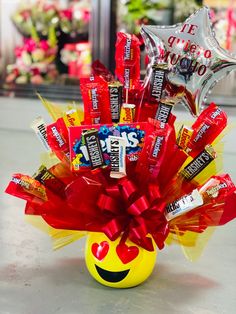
193,59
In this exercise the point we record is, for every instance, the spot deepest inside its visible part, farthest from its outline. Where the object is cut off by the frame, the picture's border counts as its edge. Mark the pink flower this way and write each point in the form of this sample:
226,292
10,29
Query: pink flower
44,45
35,71
18,51
48,7
36,79
67,13
25,14
30,45
86,16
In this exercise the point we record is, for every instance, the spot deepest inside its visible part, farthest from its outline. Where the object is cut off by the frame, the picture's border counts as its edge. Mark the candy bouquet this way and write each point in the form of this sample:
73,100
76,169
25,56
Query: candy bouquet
120,173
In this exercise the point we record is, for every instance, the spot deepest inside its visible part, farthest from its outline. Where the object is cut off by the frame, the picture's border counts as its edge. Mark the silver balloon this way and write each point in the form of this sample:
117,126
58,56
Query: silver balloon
194,59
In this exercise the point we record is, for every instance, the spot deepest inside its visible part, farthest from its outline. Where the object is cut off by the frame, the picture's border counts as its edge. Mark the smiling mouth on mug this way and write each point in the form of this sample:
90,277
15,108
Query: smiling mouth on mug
111,276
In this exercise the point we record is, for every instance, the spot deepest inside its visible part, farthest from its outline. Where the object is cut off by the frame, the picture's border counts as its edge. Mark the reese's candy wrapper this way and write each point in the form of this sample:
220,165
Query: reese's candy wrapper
127,113
49,180
95,96
200,162
207,127
117,157
128,61
27,188
71,118
39,127
94,148
184,136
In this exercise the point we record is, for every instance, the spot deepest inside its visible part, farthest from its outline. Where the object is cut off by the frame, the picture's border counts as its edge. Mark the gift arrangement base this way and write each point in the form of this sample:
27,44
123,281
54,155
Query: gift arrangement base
116,264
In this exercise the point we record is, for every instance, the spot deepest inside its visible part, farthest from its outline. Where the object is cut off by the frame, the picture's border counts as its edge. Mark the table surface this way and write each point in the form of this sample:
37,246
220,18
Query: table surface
36,280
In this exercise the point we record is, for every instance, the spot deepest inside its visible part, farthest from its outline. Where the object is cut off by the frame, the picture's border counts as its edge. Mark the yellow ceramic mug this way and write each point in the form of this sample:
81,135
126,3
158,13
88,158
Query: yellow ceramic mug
118,265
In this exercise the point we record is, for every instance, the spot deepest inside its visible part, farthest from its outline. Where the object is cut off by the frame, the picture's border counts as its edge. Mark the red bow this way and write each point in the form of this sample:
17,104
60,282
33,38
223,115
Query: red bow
133,215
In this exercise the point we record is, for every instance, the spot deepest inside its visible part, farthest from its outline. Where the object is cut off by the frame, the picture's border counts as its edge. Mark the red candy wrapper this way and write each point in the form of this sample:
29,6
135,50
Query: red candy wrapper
27,188
154,151
207,127
128,62
99,69
95,96
57,136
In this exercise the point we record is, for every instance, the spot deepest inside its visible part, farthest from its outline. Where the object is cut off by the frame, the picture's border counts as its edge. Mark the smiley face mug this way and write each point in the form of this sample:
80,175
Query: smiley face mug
116,264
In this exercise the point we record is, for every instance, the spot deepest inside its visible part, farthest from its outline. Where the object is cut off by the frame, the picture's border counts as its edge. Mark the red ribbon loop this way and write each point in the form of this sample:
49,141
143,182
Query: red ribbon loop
107,203
154,192
113,229
127,188
139,206
113,191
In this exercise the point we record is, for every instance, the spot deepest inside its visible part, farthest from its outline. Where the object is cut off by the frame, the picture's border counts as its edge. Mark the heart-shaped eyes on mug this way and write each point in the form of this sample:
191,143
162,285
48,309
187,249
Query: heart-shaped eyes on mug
100,250
126,253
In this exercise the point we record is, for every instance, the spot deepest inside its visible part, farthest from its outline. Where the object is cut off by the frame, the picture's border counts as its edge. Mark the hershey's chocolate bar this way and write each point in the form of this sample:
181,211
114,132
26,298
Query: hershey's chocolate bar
115,93
117,157
200,162
158,80
94,148
163,112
